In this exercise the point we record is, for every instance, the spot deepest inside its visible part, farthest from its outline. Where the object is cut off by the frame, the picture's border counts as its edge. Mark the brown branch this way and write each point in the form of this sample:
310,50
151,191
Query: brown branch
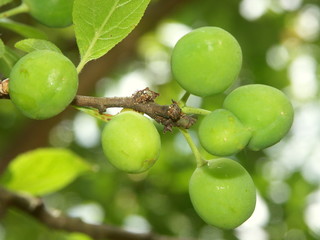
142,101
4,89
56,220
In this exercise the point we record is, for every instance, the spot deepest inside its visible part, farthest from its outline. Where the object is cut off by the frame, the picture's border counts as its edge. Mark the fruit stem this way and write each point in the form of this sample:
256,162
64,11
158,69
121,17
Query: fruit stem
81,65
184,99
200,161
193,110
22,8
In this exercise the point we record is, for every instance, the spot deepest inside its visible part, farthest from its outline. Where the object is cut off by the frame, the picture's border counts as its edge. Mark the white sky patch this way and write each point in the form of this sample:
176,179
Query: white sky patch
160,69
312,213
90,212
136,224
181,143
308,23
277,57
290,5
126,86
170,33
301,149
252,229
61,135
253,9
303,75
87,133
279,191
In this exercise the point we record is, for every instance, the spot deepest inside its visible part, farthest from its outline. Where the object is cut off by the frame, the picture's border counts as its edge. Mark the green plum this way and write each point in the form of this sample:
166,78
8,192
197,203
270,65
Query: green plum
131,142
206,61
52,13
222,193
43,83
265,110
222,134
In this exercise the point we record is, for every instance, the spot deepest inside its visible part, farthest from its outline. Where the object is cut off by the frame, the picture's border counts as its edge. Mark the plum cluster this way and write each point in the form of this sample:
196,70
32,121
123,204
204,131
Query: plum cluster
205,62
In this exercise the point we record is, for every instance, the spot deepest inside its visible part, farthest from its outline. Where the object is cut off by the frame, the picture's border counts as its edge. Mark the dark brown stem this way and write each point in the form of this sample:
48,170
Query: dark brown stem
56,220
141,101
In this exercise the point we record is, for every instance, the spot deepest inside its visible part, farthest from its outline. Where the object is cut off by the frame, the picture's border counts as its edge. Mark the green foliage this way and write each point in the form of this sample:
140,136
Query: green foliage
22,29
4,2
43,171
100,25
31,44
131,142
43,83
2,48
222,193
7,61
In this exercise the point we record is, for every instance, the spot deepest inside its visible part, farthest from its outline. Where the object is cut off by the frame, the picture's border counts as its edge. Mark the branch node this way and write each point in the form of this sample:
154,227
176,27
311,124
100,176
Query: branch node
145,96
4,88
101,108
174,111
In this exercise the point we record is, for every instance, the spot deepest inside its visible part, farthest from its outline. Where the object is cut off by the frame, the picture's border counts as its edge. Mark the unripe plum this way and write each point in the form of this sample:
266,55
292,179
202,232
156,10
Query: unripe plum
206,61
131,142
43,83
222,134
52,13
263,109
222,193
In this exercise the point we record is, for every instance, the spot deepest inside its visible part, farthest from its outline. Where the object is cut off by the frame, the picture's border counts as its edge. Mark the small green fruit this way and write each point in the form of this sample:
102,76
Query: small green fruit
52,13
222,193
206,61
222,134
43,83
131,142
263,109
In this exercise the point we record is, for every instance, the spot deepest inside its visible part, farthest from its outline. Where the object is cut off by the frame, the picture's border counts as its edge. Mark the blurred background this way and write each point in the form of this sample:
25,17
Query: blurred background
280,43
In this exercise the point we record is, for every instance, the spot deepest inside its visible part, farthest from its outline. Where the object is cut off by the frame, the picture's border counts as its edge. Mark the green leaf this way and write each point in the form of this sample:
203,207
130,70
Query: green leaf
43,171
95,113
4,2
77,236
22,29
2,48
32,44
7,61
99,24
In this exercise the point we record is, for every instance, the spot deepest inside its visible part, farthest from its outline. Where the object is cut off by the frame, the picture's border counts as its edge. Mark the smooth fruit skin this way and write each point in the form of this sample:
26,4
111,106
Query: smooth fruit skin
263,109
222,134
131,142
222,193
206,61
43,83
52,13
